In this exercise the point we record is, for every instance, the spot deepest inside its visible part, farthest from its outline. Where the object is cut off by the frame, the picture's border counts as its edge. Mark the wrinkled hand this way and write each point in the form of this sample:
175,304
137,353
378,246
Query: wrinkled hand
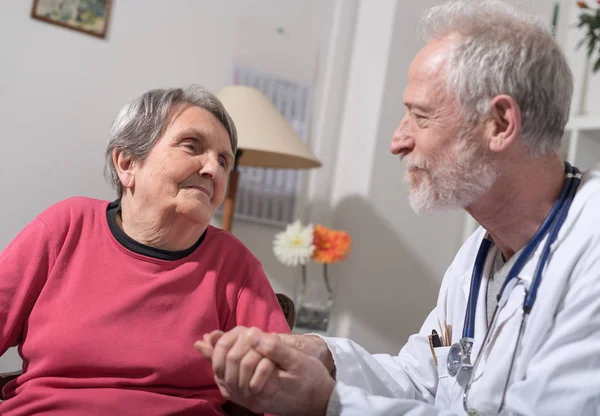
311,345
235,363
270,373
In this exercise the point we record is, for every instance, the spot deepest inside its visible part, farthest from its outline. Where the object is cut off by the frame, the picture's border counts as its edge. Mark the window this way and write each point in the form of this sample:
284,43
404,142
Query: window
269,195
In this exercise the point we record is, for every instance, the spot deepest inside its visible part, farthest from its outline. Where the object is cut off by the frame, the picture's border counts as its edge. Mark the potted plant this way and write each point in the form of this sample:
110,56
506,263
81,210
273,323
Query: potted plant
589,19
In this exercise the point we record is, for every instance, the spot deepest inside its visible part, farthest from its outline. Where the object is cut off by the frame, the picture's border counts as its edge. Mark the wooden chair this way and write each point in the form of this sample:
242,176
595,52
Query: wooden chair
5,378
288,308
230,408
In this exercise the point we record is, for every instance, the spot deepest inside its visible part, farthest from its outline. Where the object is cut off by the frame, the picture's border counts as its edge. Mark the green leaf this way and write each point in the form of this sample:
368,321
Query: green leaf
588,19
596,65
591,45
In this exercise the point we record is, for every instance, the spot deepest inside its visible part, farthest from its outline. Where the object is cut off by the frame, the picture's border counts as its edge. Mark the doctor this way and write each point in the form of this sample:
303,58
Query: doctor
518,312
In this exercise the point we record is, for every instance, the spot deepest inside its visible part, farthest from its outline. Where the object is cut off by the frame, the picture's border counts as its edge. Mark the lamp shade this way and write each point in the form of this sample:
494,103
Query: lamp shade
264,135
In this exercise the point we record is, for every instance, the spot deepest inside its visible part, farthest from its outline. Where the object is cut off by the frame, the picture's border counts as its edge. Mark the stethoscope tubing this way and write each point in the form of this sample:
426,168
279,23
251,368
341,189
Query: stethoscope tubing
559,211
555,220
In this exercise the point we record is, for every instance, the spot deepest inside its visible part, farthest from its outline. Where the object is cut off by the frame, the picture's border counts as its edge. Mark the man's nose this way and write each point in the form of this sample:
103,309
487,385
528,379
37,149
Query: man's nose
402,140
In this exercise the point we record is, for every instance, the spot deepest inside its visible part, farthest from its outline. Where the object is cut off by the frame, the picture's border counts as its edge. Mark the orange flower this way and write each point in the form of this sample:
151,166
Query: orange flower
330,246
582,5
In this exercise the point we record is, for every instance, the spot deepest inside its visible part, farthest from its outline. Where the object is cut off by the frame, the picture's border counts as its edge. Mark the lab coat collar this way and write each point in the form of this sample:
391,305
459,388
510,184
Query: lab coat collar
587,188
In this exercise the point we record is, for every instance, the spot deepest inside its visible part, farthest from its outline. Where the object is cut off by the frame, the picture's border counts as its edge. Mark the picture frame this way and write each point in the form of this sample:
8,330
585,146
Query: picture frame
86,16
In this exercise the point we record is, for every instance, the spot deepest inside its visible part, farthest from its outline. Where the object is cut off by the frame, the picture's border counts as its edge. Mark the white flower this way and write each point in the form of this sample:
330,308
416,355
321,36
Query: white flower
294,246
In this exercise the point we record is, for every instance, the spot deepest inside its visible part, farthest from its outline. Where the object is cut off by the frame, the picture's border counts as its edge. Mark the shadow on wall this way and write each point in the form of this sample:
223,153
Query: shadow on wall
382,290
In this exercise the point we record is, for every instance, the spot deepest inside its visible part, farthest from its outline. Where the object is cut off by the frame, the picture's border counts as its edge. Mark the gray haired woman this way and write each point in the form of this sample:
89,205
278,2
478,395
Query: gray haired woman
105,299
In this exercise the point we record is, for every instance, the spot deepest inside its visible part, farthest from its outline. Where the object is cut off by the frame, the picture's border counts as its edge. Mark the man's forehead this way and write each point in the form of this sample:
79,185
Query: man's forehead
427,71
430,62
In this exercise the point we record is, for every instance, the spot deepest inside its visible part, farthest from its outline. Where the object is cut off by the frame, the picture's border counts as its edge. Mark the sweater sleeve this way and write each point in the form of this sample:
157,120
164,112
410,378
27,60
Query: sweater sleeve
24,267
257,306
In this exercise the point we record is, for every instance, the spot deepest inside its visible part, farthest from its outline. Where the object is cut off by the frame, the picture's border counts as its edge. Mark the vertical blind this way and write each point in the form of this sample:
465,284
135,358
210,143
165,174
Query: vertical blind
269,195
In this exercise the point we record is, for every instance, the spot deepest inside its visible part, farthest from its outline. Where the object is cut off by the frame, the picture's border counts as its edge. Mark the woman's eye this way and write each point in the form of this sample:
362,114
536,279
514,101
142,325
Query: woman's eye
189,145
223,163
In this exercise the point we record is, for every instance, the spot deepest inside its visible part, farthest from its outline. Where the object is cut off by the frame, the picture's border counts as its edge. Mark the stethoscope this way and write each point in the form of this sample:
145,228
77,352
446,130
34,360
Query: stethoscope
459,355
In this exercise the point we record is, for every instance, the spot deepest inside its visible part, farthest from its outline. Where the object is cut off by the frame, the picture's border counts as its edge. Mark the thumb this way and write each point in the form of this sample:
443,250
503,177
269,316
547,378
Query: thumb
273,348
205,348
212,337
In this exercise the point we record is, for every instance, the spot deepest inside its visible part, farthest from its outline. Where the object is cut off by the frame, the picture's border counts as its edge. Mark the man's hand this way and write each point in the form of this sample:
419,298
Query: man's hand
310,345
272,375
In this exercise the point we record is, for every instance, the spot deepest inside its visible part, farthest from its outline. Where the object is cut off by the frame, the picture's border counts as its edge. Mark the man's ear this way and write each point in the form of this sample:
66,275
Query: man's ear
125,168
503,124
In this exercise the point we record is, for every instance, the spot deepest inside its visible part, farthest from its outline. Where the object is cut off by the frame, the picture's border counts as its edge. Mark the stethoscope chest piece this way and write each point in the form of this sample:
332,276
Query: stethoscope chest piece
459,357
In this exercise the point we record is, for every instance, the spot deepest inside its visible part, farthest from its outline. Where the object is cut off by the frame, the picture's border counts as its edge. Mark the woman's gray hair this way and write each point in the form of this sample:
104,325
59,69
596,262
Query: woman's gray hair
504,51
142,122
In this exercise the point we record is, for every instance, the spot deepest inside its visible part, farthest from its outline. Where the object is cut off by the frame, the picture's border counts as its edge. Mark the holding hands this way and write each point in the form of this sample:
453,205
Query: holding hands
271,373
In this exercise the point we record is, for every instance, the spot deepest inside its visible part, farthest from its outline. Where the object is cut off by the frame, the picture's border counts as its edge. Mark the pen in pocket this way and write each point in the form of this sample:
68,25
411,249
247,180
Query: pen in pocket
445,334
435,339
432,349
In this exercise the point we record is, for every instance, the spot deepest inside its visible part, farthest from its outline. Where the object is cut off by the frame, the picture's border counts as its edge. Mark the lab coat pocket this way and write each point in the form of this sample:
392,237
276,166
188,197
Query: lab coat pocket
443,396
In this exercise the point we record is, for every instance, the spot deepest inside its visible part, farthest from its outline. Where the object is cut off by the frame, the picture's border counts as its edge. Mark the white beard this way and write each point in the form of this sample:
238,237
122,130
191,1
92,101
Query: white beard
461,175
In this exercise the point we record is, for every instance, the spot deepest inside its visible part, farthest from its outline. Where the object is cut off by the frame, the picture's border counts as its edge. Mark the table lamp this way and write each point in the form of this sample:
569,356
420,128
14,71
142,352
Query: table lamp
265,139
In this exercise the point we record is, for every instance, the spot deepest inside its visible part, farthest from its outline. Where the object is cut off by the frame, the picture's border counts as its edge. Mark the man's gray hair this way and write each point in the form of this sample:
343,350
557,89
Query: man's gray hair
504,51
142,122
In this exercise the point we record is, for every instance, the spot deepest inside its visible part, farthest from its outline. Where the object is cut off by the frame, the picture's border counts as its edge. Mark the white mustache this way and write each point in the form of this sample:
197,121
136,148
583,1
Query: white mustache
411,162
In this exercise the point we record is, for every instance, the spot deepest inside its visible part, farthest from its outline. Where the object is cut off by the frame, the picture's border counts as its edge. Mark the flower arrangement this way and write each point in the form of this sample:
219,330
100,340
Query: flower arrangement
299,244
590,19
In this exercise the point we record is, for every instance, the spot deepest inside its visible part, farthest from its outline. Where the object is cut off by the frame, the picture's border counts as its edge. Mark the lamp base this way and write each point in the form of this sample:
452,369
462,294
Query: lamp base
229,207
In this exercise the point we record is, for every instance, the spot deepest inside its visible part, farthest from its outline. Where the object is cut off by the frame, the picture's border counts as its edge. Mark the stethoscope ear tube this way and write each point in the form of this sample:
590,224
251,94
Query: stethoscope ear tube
469,324
574,179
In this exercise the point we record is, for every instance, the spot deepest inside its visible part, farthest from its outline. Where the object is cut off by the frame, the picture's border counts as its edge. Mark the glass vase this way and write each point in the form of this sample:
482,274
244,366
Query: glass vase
314,302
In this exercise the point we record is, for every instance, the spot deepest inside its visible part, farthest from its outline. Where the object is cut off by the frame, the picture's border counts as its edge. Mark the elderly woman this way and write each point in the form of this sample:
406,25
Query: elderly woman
105,299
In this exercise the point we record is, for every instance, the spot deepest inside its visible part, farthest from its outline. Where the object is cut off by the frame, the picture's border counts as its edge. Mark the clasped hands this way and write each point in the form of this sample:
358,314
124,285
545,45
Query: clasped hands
282,374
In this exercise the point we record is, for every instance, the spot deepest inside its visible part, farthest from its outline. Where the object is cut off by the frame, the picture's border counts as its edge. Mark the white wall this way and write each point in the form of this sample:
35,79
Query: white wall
586,100
60,90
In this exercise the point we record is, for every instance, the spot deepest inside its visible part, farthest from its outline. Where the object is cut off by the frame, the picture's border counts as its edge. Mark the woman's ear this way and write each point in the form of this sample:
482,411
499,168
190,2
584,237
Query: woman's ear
125,168
503,125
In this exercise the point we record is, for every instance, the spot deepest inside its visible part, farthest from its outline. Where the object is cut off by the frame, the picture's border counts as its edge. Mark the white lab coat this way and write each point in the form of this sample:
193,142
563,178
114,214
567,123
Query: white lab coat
557,368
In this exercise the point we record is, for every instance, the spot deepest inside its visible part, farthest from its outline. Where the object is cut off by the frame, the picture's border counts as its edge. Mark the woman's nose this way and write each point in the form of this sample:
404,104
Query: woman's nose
210,167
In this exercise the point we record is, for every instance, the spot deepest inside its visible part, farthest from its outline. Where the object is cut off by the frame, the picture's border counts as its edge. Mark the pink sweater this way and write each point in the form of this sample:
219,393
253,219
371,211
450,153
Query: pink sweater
104,330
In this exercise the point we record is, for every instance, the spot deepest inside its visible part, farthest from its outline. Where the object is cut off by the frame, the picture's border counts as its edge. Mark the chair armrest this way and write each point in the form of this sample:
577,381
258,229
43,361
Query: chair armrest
233,409
288,308
5,378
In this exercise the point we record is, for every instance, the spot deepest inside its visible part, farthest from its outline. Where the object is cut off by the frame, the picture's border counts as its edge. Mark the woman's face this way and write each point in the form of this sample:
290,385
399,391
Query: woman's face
185,173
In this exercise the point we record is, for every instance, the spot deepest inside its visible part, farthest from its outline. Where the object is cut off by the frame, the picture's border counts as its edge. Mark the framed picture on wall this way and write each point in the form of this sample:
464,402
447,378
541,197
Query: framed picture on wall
87,16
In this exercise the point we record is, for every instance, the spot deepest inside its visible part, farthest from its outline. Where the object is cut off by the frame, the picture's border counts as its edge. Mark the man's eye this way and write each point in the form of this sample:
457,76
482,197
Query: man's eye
223,163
